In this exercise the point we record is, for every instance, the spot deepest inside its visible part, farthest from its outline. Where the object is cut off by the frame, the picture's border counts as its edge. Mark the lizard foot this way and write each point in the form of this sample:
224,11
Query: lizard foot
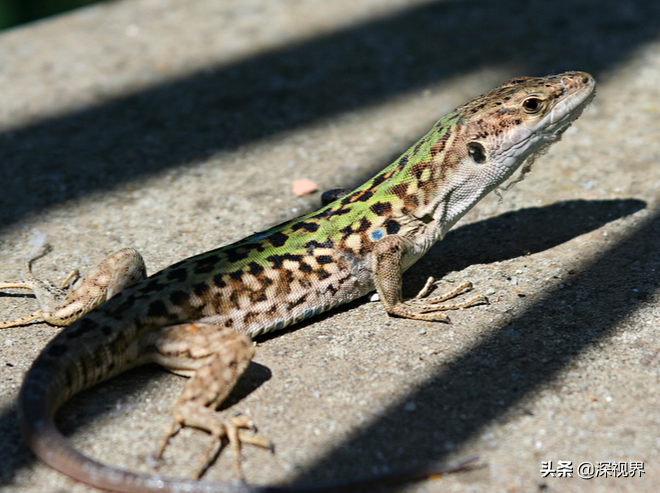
231,429
217,357
77,296
432,304
432,308
389,253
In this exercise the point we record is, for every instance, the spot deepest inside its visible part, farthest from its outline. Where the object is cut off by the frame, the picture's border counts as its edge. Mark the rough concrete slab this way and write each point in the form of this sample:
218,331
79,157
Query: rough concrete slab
176,126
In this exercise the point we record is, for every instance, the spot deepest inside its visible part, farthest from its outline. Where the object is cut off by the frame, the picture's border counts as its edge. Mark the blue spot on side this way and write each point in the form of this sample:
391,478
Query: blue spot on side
377,234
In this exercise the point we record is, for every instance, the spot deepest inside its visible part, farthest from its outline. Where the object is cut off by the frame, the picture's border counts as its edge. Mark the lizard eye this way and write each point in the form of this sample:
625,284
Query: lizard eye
477,152
532,105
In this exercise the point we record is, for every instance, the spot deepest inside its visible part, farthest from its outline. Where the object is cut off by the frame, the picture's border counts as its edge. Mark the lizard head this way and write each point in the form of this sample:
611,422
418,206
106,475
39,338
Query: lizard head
502,130
522,117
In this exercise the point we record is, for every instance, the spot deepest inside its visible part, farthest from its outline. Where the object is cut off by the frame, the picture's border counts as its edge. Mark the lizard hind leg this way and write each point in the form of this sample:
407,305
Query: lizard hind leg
77,296
218,357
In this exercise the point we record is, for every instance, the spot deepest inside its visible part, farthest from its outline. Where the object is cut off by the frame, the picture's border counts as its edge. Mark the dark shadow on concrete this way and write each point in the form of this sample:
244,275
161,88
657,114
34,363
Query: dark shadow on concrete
53,161
518,233
83,409
90,405
486,384
525,229
221,108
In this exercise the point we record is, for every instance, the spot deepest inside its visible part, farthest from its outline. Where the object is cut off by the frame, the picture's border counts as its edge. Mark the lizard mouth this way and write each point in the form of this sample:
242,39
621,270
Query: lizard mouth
579,90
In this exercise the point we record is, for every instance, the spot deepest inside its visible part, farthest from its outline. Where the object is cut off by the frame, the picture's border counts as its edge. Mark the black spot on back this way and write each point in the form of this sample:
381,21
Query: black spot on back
255,269
219,280
381,208
343,279
313,245
278,239
438,147
392,227
324,213
305,226
237,254
419,145
234,299
157,308
400,190
341,211
278,260
257,296
365,224
205,265
250,317
179,274
178,298
152,285
200,288
330,289
348,230
287,275
361,197
265,282
84,326
417,170
378,180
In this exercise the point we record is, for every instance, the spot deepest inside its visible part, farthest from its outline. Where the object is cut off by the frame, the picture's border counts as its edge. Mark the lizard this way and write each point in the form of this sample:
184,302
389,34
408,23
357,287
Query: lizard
197,316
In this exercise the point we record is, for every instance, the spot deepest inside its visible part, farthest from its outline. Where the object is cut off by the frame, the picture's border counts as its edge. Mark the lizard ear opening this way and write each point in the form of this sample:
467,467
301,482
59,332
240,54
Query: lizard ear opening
477,152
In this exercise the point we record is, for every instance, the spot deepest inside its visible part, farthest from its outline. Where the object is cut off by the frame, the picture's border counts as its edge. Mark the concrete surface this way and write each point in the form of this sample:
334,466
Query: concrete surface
175,126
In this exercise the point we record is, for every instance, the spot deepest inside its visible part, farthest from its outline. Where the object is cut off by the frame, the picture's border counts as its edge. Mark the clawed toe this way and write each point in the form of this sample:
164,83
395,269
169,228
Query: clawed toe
233,430
430,309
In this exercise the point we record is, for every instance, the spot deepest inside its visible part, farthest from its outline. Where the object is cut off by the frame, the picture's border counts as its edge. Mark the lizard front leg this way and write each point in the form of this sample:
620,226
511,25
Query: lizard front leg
59,306
218,356
387,268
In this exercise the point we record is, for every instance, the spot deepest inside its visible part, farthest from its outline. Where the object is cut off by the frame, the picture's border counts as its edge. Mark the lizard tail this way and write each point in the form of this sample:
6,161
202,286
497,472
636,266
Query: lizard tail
60,372
41,395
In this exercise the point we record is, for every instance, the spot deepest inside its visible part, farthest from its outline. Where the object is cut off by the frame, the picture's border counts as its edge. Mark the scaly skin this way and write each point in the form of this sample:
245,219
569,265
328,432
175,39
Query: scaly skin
358,243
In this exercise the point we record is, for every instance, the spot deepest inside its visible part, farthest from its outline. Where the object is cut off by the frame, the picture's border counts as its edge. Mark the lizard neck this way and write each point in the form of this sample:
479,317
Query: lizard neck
413,197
